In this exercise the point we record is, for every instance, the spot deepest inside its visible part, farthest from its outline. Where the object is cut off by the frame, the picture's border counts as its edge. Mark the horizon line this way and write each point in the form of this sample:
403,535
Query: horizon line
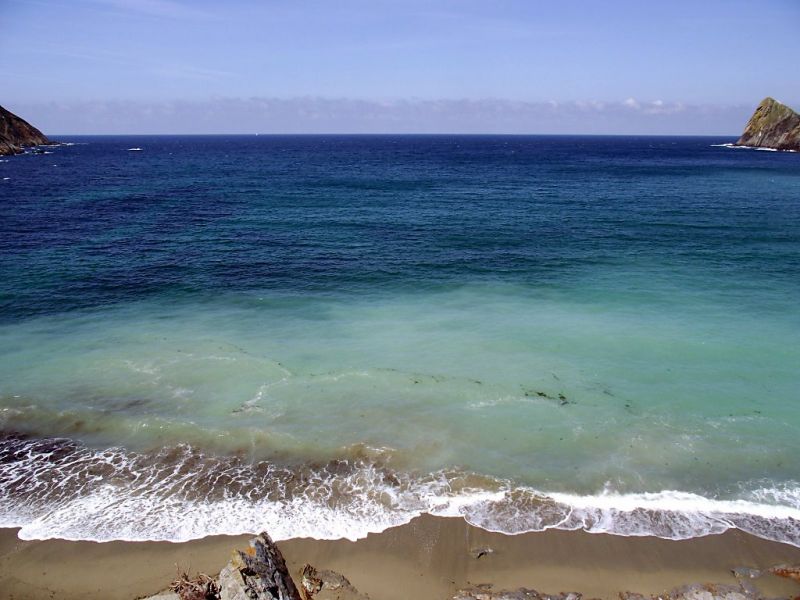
386,133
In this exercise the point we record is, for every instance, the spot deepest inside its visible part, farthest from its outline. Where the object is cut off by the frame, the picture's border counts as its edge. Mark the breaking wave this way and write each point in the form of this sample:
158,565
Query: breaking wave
737,146
56,488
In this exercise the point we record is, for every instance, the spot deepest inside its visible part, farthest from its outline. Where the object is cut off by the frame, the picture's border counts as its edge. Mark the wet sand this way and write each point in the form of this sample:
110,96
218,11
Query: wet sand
428,559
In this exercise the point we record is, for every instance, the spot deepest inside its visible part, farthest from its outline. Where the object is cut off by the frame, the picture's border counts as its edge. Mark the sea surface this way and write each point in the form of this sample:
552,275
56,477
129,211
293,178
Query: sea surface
327,336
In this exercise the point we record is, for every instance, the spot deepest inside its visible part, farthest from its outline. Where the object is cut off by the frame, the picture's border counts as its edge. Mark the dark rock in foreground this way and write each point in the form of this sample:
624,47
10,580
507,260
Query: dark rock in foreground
773,125
258,573
16,134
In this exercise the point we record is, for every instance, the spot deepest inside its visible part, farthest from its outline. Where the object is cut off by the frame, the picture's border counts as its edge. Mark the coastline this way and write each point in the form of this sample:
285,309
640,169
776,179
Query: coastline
428,559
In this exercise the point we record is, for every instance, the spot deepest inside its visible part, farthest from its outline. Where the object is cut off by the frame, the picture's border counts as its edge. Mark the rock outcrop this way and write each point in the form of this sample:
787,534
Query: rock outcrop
16,134
257,573
773,125
327,585
260,573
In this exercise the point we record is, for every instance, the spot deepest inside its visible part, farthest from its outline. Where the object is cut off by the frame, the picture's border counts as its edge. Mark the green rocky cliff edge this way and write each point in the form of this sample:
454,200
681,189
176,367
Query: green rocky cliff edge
773,125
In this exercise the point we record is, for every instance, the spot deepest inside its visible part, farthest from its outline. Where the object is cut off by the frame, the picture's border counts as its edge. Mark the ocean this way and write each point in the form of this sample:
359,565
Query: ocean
326,336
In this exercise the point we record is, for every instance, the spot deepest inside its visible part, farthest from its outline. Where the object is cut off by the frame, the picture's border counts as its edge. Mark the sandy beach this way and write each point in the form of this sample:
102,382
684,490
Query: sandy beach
427,559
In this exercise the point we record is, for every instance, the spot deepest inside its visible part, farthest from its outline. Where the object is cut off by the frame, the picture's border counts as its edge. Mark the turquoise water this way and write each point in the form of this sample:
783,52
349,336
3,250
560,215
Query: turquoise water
334,334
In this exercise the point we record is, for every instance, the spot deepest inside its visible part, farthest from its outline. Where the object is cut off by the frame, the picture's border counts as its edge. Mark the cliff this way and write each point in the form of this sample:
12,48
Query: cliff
16,134
773,125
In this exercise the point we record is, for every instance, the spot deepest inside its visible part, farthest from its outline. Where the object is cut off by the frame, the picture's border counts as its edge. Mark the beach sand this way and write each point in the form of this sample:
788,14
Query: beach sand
427,559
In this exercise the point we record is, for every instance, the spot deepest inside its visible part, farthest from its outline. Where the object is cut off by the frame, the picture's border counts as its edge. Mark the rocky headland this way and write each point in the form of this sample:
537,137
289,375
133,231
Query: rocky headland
773,125
16,134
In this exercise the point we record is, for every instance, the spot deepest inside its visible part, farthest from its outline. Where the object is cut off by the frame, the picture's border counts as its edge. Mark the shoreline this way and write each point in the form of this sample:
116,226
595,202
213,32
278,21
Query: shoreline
427,559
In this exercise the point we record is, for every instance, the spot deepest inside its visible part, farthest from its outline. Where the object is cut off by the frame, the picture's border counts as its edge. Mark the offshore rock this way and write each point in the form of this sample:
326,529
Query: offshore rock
773,125
259,573
17,134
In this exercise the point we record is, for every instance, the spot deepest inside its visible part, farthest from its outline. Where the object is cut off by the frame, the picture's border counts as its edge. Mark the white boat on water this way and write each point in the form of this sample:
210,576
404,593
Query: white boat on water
134,149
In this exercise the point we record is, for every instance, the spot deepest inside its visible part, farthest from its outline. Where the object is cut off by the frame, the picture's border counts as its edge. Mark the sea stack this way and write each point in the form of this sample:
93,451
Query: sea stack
773,125
16,134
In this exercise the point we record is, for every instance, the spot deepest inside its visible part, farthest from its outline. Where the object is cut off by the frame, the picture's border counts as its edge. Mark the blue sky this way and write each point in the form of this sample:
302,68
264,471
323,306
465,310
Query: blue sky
569,66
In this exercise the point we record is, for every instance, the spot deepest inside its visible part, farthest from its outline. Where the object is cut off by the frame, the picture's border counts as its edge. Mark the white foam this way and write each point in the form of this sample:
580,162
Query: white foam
64,491
762,148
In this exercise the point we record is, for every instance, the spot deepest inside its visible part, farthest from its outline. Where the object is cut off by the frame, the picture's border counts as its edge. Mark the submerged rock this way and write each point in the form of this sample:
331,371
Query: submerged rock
773,125
17,134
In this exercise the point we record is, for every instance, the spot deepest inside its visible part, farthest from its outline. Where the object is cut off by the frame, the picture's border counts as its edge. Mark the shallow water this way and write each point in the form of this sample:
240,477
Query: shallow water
528,331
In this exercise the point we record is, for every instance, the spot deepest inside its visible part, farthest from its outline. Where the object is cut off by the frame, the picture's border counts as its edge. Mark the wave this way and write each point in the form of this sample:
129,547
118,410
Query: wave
56,488
762,148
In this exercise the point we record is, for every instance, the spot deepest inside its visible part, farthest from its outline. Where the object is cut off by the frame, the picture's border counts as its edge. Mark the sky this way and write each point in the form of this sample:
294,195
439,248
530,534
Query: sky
406,66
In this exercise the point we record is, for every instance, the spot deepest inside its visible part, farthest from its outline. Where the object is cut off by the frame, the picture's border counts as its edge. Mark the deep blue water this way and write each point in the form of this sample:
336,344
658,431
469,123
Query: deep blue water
499,323
92,225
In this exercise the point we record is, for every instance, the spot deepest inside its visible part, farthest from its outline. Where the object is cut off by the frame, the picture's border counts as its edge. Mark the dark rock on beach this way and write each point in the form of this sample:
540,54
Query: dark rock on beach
16,134
327,585
258,573
773,125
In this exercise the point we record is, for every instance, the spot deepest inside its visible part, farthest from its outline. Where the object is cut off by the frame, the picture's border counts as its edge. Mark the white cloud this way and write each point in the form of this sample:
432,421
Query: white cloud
352,115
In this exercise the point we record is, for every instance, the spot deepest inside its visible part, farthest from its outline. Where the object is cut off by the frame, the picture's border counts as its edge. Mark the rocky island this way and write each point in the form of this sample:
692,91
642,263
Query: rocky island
16,134
773,125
